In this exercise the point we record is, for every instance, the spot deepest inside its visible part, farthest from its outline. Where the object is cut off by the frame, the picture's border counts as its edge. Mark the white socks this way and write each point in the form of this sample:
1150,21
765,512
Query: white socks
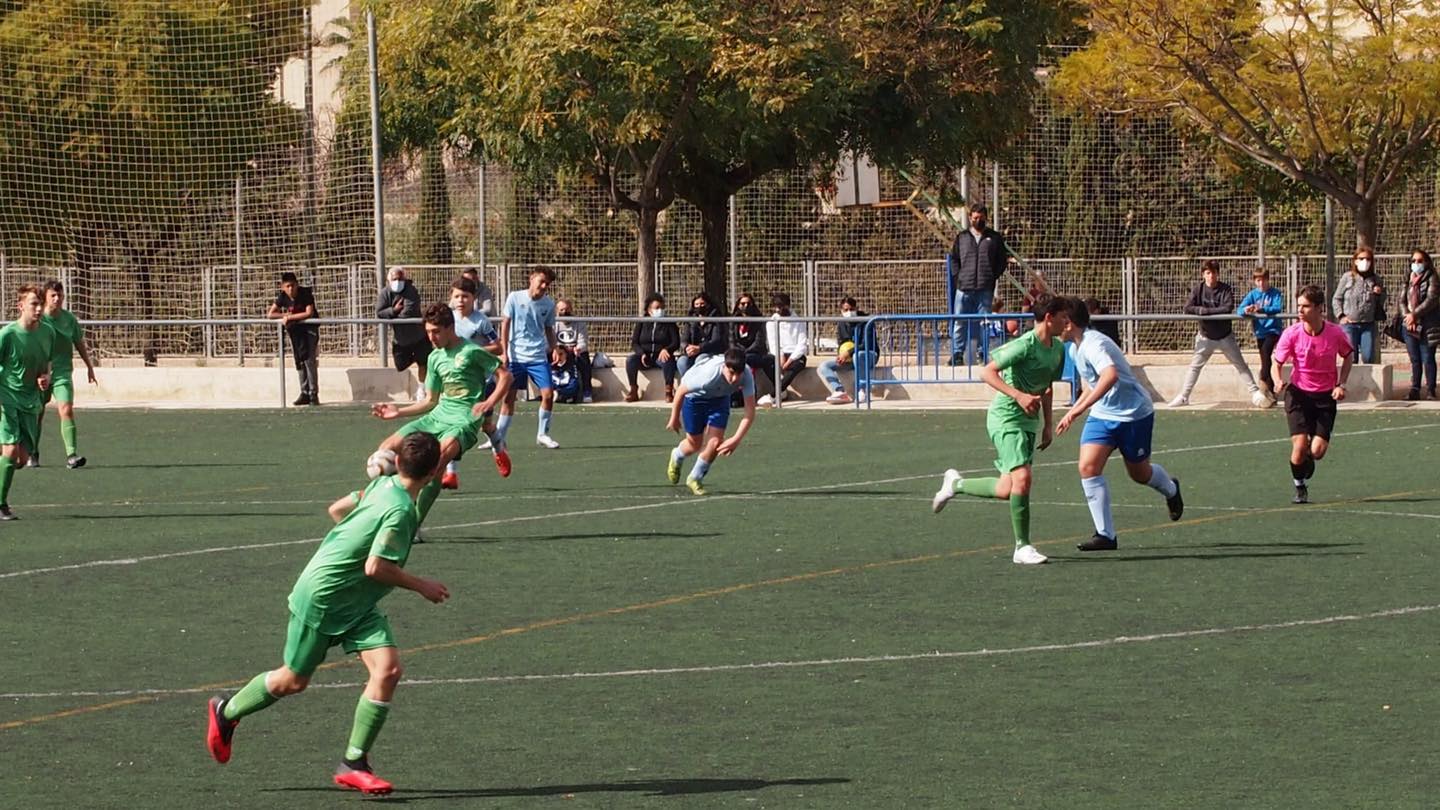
1097,497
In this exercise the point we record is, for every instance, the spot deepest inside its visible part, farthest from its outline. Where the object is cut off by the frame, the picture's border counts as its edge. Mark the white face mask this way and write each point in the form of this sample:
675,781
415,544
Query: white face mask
397,285
1417,268
657,313
847,313
1363,265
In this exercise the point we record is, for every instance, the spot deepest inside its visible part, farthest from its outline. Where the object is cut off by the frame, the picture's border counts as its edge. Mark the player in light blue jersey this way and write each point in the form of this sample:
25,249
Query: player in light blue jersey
527,333
1121,418
471,325
702,409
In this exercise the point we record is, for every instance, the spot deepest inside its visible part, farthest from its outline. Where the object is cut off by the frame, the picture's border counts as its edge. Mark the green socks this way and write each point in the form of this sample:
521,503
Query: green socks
7,474
369,719
1020,519
979,487
251,698
427,498
67,432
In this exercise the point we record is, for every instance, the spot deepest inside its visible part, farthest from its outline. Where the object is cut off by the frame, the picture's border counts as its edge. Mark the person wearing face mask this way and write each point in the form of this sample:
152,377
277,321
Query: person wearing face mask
1421,308
1359,305
701,339
977,260
408,344
653,344
851,353
574,337
791,340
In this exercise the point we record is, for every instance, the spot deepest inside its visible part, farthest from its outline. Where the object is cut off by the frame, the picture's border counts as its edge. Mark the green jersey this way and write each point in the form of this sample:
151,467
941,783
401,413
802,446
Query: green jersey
1028,364
68,332
333,593
24,356
459,374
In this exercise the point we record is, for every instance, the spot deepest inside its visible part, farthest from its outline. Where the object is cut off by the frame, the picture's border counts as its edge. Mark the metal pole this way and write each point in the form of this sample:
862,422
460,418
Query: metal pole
995,195
239,268
375,157
1329,246
309,139
1260,232
734,252
280,353
480,185
965,185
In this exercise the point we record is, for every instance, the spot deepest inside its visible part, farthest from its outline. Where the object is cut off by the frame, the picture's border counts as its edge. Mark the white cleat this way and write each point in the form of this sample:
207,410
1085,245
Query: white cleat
946,491
546,442
1180,401
485,445
1028,555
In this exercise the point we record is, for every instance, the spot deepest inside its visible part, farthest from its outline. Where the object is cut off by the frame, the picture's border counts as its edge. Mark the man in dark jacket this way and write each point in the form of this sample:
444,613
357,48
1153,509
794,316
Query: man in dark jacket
977,260
704,338
1214,297
408,344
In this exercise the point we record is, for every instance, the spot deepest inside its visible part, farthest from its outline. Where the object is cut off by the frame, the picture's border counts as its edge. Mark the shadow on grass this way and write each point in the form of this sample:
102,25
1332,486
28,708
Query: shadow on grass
184,464
1121,557
528,538
647,787
154,516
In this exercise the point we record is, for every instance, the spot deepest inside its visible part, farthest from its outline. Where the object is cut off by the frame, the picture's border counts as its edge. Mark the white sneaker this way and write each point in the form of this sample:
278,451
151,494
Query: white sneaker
862,397
587,399
1027,555
1180,401
546,442
484,445
839,398
946,491
765,400
1259,400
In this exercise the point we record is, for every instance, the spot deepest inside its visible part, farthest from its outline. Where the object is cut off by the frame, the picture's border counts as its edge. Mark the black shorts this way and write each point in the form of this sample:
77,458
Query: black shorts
415,353
1309,413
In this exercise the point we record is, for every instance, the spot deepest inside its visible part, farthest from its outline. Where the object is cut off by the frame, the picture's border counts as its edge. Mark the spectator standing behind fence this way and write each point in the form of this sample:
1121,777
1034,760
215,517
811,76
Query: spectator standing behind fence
652,345
850,353
295,305
1262,304
791,340
977,260
408,344
701,339
484,296
1359,305
1214,297
574,337
1421,307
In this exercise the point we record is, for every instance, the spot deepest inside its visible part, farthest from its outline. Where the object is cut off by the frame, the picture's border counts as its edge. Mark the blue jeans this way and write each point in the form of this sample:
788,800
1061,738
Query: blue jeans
970,333
1422,357
1365,337
830,369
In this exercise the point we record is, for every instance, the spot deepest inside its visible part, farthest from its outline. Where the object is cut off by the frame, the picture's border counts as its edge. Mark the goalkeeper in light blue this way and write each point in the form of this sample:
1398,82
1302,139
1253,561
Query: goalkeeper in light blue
702,409
1122,418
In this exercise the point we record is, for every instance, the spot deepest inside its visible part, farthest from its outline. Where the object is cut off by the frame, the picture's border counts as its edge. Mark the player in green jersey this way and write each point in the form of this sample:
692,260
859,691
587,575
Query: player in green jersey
455,381
1022,371
334,603
69,338
25,349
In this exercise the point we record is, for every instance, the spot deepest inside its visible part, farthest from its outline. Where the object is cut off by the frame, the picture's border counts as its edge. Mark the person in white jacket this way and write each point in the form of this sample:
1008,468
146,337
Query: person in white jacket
791,342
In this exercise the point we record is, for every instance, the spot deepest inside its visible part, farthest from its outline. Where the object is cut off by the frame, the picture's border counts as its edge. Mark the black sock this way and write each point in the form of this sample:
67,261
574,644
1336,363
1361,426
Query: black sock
1307,470
361,764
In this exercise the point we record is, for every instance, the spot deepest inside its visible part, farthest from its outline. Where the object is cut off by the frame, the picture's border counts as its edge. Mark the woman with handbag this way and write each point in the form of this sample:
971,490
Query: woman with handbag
1420,307
1359,305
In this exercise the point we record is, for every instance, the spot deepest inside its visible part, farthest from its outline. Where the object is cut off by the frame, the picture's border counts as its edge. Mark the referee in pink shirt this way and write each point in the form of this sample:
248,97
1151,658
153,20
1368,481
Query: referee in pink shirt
1313,344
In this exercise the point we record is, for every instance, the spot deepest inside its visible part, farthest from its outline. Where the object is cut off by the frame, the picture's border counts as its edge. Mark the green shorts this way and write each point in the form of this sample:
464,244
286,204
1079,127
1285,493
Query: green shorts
62,389
20,428
1013,449
305,647
467,433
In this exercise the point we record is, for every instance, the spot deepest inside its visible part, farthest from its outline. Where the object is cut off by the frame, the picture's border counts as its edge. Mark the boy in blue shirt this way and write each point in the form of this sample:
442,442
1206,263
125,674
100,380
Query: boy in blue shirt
527,332
1262,304
702,408
1123,419
472,326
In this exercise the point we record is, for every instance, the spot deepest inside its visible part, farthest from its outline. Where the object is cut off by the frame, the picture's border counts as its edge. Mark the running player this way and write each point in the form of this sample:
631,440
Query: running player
26,346
1123,419
455,377
702,408
472,325
1022,371
334,602
1314,344
69,338
527,331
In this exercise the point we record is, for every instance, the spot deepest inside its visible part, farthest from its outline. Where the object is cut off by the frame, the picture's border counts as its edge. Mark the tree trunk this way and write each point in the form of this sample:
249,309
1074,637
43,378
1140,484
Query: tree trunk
1367,224
715,227
647,253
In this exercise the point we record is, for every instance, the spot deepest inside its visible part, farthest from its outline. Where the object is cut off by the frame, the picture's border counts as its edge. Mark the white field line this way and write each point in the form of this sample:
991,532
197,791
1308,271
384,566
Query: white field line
937,655
674,503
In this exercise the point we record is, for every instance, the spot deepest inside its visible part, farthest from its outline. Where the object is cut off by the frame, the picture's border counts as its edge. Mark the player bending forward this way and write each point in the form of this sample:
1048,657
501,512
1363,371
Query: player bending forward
1313,344
334,603
1122,419
455,377
702,407
1022,371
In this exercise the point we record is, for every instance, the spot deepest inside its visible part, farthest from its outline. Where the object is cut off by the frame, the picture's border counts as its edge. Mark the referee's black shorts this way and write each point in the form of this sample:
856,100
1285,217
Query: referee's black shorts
1310,413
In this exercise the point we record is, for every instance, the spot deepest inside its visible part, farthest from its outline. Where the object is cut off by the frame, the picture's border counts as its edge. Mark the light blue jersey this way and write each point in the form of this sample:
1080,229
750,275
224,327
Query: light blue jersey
528,320
706,380
1127,400
476,328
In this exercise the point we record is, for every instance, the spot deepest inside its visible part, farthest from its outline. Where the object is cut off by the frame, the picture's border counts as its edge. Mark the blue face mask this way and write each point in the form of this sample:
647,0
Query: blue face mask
1417,268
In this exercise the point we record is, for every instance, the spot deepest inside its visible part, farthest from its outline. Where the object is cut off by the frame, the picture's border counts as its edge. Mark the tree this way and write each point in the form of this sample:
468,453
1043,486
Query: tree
1343,98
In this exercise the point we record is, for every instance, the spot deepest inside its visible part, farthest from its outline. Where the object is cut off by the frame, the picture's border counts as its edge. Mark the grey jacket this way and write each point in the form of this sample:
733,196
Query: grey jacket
976,265
1355,298
405,334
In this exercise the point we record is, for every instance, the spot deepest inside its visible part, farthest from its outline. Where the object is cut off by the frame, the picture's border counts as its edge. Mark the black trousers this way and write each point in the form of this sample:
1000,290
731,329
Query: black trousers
306,348
1267,354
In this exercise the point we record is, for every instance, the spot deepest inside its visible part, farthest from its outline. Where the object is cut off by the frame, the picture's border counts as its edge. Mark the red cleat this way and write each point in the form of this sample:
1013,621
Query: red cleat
450,480
362,780
217,738
502,463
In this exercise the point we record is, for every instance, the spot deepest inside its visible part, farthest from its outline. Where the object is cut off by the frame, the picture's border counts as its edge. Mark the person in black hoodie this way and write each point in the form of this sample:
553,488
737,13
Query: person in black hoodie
652,345
701,339
1214,297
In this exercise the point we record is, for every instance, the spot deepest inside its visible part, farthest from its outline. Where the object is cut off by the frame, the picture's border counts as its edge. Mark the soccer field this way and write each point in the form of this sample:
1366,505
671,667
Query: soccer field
809,635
